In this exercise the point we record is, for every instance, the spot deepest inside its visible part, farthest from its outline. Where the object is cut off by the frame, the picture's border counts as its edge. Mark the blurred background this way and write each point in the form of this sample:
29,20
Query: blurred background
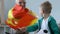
34,5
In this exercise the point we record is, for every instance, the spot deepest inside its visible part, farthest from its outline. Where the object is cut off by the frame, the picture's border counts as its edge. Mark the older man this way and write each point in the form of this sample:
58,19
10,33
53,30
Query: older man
16,13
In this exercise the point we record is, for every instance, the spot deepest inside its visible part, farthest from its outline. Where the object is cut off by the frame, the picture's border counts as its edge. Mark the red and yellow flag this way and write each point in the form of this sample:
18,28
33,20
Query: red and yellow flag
19,17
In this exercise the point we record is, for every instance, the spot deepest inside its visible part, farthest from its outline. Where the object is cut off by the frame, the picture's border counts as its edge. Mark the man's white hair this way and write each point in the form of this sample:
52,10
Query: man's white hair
17,1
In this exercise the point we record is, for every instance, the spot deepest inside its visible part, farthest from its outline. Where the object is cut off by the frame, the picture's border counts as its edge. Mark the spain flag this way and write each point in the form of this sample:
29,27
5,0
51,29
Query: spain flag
18,18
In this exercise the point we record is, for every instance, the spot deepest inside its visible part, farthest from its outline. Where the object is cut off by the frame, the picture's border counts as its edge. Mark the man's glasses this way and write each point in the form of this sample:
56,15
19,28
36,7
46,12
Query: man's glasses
22,2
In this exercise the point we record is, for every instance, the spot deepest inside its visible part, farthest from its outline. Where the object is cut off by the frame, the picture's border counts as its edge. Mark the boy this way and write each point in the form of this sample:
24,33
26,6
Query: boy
47,24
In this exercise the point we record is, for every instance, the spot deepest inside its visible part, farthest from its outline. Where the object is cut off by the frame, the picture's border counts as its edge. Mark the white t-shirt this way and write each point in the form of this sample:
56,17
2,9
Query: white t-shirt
44,26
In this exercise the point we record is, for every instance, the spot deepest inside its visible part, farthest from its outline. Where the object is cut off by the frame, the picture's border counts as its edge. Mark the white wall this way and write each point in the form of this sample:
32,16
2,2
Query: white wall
8,4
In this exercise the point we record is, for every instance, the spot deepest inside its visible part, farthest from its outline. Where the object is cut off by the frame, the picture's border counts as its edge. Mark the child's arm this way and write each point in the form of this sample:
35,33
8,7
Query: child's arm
32,28
54,27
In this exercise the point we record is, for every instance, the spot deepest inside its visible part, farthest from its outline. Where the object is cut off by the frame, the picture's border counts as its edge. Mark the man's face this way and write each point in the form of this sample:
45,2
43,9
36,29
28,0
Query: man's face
22,3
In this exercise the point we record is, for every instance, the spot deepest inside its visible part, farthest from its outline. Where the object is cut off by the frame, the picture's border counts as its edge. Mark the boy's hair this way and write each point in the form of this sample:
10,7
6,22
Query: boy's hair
46,7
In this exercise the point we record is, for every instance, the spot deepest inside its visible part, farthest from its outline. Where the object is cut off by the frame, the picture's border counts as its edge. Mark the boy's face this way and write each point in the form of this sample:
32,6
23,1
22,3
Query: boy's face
41,12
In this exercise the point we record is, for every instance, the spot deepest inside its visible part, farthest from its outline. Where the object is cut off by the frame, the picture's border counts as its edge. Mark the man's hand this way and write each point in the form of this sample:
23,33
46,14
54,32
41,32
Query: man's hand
23,29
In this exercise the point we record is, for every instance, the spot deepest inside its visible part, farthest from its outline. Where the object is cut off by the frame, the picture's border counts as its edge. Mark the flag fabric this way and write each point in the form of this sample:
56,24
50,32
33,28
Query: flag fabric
19,17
